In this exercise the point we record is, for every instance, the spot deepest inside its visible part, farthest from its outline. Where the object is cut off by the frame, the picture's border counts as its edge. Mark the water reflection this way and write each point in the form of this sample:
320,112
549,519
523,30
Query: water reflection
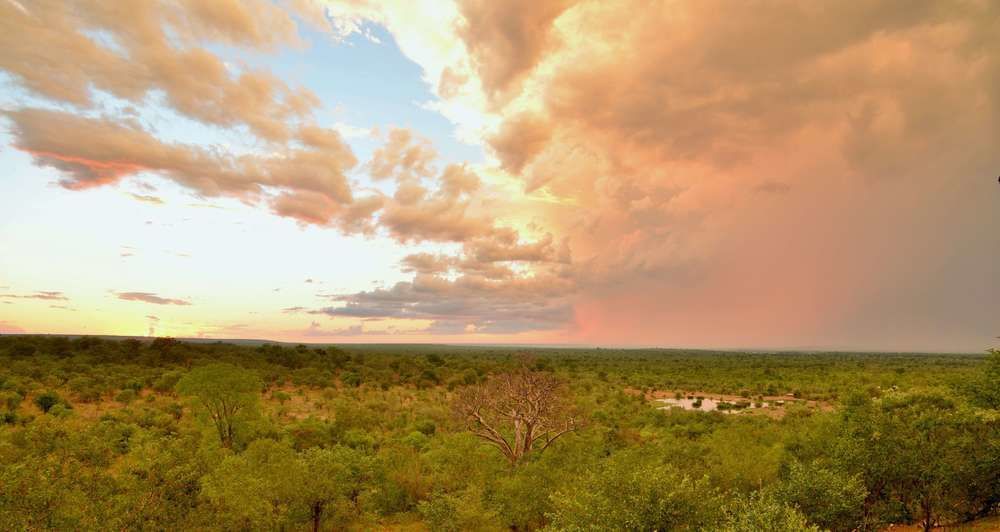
706,404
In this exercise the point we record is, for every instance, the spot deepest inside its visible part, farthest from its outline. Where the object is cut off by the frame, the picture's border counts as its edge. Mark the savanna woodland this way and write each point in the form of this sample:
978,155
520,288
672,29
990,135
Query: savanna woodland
162,434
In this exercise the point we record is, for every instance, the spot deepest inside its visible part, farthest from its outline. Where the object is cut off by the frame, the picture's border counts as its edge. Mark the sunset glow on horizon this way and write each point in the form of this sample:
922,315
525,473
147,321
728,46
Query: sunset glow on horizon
709,174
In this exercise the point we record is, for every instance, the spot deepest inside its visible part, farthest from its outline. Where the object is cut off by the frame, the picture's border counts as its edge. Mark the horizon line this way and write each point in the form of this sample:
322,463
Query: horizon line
636,347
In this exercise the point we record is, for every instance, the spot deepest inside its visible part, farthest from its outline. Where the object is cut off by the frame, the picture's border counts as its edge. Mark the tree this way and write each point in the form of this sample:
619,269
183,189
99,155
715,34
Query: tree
330,478
455,512
923,457
164,345
169,350
131,347
516,412
22,349
270,485
829,498
254,490
760,512
630,493
228,394
984,390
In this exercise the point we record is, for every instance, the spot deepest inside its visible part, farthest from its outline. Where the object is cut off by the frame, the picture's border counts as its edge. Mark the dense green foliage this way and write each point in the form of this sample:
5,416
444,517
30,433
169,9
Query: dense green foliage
103,434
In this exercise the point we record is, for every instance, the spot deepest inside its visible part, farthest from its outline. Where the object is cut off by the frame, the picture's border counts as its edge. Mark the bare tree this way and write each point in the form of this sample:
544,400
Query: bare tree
516,412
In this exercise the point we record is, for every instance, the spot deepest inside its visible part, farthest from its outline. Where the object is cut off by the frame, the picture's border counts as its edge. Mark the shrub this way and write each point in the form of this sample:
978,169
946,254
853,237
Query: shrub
632,494
350,378
464,511
166,382
126,396
60,410
425,427
280,396
760,512
11,400
46,400
831,499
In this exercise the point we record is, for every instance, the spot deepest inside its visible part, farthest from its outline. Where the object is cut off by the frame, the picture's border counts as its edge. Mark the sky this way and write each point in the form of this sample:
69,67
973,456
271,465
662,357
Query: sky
675,173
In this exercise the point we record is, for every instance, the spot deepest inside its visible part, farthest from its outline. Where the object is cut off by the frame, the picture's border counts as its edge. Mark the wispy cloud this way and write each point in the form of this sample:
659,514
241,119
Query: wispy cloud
155,200
43,295
148,297
7,327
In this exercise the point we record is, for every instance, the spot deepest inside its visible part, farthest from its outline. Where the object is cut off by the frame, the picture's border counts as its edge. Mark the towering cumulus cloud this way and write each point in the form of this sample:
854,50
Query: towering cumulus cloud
680,172
780,173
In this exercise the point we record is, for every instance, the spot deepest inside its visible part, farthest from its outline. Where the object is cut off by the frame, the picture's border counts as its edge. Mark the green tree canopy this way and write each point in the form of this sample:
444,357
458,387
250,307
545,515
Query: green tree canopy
760,512
829,498
633,494
228,394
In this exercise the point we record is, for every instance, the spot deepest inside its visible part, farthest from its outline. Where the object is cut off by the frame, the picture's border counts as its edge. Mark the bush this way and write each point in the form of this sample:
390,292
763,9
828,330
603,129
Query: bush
126,396
167,382
455,512
417,440
350,378
46,400
60,410
11,400
425,427
23,350
632,494
760,512
280,397
828,498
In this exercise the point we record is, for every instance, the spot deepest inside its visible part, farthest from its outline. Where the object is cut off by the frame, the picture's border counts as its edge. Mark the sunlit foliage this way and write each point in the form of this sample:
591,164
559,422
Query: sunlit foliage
100,434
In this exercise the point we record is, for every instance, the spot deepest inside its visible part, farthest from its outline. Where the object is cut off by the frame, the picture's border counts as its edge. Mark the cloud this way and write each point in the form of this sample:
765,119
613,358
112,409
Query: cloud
640,170
509,306
302,174
52,51
520,139
68,53
426,263
148,297
507,39
155,200
7,327
503,246
404,156
643,134
43,295
315,330
92,152
427,205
